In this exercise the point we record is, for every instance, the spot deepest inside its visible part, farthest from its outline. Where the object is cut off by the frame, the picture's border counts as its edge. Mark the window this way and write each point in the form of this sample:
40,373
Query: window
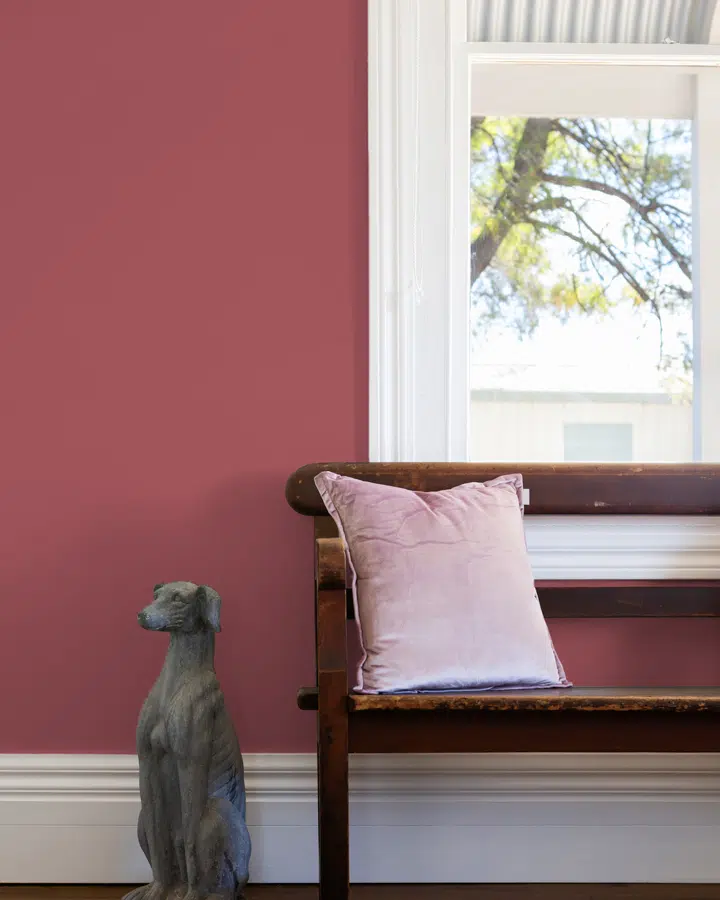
597,305
597,442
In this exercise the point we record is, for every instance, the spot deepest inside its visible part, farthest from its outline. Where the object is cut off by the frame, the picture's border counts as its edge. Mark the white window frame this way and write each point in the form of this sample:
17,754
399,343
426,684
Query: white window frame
419,63
419,109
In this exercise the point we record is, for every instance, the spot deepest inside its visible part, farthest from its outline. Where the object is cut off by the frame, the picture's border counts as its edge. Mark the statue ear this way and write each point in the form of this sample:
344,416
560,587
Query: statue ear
209,605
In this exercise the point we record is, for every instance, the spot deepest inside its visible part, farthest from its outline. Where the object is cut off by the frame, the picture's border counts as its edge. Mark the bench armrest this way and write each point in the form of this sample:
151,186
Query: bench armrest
330,628
330,580
330,574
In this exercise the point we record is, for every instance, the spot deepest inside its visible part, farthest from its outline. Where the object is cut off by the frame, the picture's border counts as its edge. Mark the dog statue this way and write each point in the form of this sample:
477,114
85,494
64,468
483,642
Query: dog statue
192,789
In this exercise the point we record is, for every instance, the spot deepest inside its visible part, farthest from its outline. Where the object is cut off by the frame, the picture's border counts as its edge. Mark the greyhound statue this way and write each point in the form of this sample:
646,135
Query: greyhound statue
192,789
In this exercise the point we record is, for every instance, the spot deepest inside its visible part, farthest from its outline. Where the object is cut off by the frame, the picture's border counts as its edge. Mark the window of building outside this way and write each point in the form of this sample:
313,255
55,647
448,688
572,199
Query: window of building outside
607,442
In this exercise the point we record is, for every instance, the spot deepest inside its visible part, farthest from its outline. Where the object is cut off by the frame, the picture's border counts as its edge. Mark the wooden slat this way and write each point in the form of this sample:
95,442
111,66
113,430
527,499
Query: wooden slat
470,731
628,599
651,489
613,699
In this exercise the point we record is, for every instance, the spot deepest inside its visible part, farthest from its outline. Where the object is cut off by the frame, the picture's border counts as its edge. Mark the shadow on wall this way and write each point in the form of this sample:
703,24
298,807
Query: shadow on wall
73,602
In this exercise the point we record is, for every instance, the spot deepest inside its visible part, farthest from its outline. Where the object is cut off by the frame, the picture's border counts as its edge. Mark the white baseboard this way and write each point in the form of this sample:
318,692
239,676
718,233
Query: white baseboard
490,818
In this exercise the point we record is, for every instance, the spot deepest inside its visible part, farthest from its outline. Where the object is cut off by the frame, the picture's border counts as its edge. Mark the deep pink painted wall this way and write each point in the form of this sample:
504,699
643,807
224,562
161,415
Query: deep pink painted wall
184,300
183,229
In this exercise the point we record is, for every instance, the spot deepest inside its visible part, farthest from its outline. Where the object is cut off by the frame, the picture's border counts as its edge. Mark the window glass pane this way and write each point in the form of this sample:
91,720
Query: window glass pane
581,297
591,442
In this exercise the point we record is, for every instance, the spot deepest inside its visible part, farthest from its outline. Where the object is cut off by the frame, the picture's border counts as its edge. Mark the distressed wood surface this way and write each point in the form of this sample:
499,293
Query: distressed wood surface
485,731
629,599
676,700
330,564
671,700
567,488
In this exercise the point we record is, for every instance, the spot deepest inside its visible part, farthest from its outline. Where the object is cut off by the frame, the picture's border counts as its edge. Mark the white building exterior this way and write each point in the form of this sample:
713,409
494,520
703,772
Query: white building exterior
555,426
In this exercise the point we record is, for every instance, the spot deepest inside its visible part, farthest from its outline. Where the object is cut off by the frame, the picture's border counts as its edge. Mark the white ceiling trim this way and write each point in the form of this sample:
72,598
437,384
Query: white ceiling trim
594,21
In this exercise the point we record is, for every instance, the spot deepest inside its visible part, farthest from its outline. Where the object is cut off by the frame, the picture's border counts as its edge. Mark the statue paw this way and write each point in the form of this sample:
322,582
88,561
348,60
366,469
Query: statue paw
152,891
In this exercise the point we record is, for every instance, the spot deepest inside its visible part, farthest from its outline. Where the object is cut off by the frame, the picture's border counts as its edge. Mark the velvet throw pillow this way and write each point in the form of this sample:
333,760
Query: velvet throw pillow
443,588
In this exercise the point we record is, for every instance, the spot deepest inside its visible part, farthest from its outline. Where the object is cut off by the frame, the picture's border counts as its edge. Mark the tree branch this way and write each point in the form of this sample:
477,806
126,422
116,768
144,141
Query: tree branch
590,184
493,143
525,177
597,147
619,265
603,253
643,210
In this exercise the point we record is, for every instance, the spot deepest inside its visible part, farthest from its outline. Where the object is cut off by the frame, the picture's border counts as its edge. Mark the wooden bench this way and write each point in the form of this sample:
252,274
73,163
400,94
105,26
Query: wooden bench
639,719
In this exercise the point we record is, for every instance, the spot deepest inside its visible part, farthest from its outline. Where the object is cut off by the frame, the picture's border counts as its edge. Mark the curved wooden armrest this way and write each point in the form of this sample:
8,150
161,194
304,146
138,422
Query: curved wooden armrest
330,574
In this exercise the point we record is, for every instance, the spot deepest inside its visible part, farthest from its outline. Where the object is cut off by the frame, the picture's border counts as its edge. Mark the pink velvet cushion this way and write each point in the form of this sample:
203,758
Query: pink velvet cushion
443,589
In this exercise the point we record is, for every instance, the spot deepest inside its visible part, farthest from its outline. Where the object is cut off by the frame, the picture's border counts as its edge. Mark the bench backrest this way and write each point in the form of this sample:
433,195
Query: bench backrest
567,489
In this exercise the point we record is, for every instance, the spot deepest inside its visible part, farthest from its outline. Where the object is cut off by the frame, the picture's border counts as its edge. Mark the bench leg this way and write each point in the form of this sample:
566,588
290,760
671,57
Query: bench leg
332,720
333,799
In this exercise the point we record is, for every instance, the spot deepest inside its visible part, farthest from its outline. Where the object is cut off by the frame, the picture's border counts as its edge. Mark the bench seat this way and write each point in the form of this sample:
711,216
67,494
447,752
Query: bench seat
581,699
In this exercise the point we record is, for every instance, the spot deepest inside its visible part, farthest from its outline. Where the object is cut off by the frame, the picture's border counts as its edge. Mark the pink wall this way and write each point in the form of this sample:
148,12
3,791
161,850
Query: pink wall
184,227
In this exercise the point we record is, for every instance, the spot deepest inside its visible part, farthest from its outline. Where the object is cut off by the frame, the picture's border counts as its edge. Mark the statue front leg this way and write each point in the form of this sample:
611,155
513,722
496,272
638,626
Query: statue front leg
154,835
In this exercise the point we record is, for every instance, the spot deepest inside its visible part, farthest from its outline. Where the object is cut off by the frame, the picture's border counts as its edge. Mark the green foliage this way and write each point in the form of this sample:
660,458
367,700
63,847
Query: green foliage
576,216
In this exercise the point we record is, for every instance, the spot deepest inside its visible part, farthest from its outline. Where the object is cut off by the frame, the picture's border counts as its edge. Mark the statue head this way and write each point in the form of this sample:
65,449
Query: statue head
182,606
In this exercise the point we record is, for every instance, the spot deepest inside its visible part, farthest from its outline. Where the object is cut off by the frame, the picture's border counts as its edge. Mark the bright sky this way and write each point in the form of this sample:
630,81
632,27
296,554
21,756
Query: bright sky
618,354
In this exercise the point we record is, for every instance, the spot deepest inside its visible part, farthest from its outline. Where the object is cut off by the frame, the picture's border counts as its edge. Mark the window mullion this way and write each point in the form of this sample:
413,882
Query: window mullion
706,265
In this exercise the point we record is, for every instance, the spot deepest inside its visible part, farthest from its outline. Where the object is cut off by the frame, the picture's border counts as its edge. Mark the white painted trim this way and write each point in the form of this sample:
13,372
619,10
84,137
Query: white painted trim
417,88
292,777
624,547
457,438
706,264
664,92
507,777
387,423
618,817
659,55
